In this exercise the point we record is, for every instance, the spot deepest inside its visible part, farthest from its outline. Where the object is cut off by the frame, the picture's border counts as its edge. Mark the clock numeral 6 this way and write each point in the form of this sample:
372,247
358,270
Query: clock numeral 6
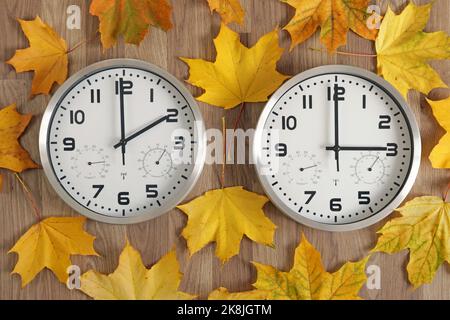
172,115
281,150
289,122
123,198
392,150
385,122
364,197
77,117
151,190
335,204
69,144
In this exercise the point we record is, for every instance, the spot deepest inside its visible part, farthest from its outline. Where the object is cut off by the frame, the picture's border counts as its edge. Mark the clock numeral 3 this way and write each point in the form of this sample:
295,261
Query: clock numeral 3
151,190
69,144
335,204
392,150
99,188
364,197
289,122
77,117
281,150
172,115
385,122
123,198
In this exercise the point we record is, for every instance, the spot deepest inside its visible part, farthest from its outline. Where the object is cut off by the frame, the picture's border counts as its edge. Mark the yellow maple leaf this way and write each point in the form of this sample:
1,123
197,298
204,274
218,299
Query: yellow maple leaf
49,244
130,18
224,216
440,155
239,74
424,229
307,280
12,125
229,10
403,50
133,281
46,56
335,18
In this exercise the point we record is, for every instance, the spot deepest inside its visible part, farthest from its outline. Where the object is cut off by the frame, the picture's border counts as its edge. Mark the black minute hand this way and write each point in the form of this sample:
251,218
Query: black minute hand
138,133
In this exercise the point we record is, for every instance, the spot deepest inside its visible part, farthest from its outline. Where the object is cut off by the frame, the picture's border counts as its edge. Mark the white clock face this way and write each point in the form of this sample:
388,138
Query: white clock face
123,141
337,150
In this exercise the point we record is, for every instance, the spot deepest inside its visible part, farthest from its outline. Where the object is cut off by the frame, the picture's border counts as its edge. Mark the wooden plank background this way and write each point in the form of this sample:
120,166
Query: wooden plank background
192,36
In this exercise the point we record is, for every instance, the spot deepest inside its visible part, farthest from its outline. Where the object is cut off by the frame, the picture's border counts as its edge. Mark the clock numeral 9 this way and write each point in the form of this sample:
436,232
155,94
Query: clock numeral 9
289,122
172,115
385,122
364,197
392,150
69,144
151,190
281,150
77,117
335,204
123,198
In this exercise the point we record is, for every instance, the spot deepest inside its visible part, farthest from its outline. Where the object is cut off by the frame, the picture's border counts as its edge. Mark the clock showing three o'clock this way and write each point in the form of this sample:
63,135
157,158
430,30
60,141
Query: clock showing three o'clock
122,141
337,148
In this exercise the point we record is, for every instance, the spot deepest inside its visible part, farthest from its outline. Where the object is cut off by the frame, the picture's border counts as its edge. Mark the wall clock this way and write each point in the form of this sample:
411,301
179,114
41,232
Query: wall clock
337,148
122,141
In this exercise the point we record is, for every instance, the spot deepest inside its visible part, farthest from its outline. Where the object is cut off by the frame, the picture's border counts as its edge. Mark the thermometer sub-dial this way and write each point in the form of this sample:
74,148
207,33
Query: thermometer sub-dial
302,168
157,162
89,162
369,169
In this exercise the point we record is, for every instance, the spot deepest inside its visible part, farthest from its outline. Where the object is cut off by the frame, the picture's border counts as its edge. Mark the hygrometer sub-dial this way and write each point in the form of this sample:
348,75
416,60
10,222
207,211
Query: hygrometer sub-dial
90,162
157,162
370,168
302,168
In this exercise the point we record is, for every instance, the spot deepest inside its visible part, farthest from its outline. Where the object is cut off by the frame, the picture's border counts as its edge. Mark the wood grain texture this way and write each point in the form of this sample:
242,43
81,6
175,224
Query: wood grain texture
192,36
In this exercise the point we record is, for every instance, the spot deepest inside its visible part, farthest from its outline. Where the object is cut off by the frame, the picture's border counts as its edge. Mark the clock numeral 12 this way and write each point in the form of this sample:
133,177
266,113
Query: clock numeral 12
124,87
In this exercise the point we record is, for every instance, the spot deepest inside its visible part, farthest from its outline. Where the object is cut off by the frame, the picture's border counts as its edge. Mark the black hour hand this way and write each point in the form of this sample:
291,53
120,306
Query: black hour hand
139,132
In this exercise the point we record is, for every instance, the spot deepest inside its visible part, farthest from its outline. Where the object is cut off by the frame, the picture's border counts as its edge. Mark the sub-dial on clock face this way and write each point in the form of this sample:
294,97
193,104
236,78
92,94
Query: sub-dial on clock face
335,149
124,143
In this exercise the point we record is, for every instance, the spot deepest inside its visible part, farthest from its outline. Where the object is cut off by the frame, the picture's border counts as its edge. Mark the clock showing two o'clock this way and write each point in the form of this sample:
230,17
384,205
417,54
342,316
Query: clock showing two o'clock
337,148
122,141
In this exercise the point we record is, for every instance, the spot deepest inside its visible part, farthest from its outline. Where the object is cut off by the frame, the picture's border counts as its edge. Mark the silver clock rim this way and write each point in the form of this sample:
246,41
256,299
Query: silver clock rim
408,184
79,76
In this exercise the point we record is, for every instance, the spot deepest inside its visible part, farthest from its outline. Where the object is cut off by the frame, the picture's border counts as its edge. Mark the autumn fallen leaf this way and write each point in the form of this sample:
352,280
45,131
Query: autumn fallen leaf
46,56
229,10
440,155
335,18
133,281
130,18
49,244
424,229
224,216
404,50
307,280
239,74
12,156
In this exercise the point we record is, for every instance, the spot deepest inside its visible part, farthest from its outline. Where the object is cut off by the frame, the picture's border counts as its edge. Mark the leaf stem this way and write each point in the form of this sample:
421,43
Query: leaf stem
224,134
446,193
30,196
238,119
342,53
79,44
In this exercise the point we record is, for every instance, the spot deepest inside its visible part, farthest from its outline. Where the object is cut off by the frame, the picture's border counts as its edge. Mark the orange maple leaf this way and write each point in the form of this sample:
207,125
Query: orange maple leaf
46,56
12,155
130,18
